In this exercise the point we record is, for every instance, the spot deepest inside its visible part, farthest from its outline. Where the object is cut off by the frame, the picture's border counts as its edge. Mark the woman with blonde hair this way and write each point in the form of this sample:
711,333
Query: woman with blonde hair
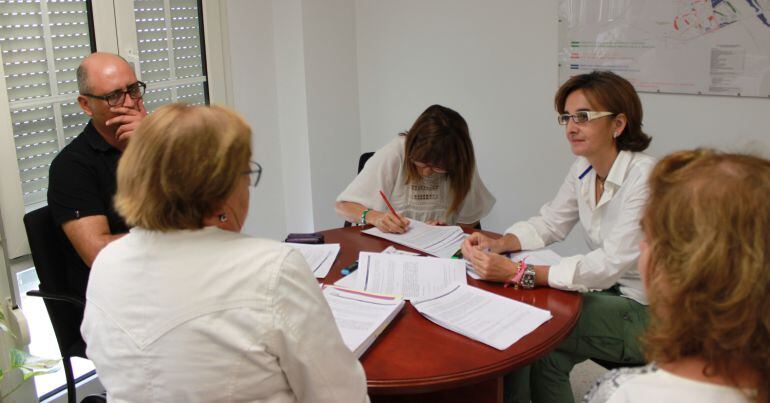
428,173
185,308
705,262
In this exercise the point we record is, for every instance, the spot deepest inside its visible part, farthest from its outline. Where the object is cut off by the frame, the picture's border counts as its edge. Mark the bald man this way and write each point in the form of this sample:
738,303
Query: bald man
82,177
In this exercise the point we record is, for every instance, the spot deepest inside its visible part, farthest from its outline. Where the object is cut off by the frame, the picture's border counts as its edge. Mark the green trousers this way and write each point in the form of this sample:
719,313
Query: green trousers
608,329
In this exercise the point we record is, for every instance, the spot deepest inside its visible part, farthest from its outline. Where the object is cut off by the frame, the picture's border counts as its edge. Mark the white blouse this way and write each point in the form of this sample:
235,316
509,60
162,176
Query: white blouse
611,226
213,316
429,199
652,384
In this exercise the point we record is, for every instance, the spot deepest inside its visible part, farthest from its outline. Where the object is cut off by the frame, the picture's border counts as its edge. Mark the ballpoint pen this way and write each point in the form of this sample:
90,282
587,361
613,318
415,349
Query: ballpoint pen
349,269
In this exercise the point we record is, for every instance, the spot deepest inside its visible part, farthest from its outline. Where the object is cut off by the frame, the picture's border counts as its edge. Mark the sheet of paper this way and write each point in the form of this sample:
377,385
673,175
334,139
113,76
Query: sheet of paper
349,281
391,250
481,315
436,240
320,257
408,276
542,256
360,316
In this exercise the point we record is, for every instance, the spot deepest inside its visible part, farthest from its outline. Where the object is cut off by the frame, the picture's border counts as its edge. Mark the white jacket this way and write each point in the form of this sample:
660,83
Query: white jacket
213,316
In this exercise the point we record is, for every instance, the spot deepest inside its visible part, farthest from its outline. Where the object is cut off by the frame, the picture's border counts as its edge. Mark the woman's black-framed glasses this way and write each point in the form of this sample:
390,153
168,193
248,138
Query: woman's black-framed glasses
116,98
255,173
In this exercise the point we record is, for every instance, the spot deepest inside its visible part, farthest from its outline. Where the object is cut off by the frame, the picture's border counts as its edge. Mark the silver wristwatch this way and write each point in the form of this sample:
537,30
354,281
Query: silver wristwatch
528,278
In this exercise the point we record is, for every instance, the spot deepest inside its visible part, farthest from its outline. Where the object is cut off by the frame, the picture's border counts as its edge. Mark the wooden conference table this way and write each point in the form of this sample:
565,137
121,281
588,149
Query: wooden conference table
415,360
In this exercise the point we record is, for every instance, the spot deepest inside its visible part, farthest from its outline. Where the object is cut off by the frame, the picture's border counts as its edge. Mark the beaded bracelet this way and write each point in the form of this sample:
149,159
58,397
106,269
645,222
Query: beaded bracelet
521,266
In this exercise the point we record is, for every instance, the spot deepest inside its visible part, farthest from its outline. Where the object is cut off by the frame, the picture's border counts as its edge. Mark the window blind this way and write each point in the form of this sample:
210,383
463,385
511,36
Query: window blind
171,51
42,42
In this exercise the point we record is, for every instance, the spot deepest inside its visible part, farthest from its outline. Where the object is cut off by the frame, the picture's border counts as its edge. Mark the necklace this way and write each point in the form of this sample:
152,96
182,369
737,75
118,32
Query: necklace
599,186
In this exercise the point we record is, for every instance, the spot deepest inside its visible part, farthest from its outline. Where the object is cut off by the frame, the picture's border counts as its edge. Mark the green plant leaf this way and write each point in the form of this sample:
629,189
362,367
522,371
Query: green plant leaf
30,365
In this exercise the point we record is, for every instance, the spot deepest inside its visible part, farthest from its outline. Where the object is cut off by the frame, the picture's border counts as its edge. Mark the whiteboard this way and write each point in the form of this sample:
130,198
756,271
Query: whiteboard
716,47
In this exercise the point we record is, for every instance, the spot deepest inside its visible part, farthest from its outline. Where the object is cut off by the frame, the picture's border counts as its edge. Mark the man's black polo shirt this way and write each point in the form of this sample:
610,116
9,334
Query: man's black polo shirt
82,183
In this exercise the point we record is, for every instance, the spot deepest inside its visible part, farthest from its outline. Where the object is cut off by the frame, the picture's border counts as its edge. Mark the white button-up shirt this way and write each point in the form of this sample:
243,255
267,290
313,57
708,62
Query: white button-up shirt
213,316
611,225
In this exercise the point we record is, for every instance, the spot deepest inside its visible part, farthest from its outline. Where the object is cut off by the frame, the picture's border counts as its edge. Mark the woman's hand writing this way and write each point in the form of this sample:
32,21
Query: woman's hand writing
387,222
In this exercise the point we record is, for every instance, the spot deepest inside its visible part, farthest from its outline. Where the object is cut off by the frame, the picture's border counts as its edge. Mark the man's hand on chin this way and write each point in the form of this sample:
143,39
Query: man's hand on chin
127,120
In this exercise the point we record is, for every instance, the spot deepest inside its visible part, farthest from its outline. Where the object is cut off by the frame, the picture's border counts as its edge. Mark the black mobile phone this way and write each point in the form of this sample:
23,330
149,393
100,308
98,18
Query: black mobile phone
308,238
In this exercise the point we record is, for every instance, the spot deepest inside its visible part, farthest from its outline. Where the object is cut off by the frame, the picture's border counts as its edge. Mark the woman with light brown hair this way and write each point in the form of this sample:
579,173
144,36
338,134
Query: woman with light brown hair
428,173
705,263
185,308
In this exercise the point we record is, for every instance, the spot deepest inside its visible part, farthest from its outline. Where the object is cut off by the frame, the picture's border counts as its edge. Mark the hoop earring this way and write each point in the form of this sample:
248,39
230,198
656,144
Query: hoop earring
223,217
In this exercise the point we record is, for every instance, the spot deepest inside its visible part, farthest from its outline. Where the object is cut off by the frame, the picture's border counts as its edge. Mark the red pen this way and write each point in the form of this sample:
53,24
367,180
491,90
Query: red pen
392,210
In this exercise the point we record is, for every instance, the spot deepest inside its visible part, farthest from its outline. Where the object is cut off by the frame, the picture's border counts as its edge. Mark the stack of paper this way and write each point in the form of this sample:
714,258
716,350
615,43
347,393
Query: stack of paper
480,315
409,276
320,258
543,256
349,281
439,241
361,316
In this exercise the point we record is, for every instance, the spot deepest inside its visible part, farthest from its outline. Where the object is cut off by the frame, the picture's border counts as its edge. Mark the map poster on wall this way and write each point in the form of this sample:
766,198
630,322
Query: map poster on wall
717,47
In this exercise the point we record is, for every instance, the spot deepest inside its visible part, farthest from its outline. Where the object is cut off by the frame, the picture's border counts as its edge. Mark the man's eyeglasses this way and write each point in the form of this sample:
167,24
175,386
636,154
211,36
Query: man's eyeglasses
116,98
581,116
255,173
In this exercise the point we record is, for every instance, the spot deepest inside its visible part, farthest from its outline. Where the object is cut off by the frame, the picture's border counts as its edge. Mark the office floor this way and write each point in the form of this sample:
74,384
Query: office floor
583,377
43,339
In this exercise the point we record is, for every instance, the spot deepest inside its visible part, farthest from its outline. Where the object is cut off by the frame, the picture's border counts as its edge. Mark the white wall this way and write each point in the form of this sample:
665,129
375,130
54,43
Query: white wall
493,61
332,98
253,69
293,67
496,63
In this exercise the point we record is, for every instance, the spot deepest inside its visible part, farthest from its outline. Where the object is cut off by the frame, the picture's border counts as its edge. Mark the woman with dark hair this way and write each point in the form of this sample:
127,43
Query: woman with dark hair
706,268
606,191
428,174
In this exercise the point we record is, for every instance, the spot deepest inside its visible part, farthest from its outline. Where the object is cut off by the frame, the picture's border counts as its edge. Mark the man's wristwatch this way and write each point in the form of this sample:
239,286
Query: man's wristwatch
363,216
528,279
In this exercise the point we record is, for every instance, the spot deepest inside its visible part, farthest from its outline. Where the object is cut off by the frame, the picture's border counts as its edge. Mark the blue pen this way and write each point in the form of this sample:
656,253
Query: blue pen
349,269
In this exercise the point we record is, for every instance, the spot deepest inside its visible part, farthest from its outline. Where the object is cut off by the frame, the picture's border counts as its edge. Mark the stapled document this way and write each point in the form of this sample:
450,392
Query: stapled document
481,315
435,240
409,276
319,257
361,316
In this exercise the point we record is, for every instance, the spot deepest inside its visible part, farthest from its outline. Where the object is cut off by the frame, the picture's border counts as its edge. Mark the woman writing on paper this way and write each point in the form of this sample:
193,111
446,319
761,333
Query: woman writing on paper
706,268
605,190
185,308
428,174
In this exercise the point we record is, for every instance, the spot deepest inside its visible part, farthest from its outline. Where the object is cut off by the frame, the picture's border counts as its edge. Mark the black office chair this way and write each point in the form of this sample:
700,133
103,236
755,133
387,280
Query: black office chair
65,309
361,162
